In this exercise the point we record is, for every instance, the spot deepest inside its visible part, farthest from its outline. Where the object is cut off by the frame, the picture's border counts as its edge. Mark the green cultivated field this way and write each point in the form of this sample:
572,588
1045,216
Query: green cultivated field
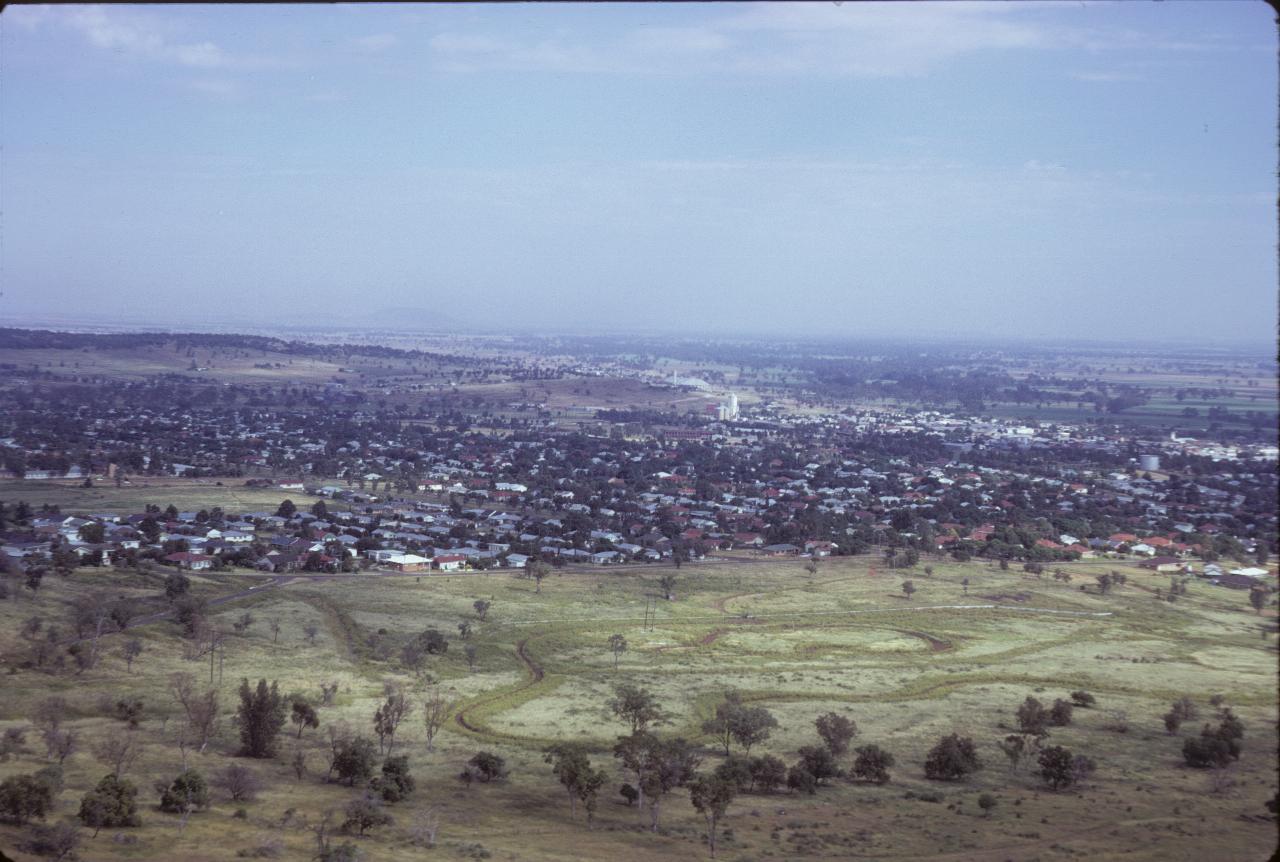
845,640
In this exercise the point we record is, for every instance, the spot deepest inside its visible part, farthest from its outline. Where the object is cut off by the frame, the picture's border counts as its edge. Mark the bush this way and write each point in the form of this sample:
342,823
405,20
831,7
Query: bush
112,804
735,770
953,757
1083,699
188,792
768,773
364,814
395,783
487,766
819,762
240,783
23,797
353,759
872,764
1060,714
59,841
801,780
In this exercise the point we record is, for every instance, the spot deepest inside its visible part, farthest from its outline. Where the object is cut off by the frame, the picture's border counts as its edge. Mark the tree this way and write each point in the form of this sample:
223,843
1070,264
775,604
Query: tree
908,588
129,651
987,802
750,726
836,732
364,813
112,804
188,792
286,510
303,715
668,764
319,508
1258,598
710,798
872,763
1015,747
311,630
261,717
481,608
387,717
274,624
952,758
819,762
1060,713
1060,769
118,751
471,651
240,783
1104,583
395,784
353,758
573,770
964,583
635,706
23,797
668,584
1033,718
537,570
199,707
1182,710
436,708
464,629
176,585
617,645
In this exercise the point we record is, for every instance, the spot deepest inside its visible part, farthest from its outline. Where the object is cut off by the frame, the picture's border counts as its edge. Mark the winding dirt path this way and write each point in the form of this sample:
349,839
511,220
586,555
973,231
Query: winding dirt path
532,668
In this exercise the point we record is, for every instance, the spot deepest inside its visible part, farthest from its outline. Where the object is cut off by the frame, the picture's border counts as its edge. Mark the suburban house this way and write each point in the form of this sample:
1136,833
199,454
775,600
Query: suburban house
188,560
407,563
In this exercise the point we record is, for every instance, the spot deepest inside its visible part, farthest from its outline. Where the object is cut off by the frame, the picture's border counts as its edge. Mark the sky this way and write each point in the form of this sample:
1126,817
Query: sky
1027,169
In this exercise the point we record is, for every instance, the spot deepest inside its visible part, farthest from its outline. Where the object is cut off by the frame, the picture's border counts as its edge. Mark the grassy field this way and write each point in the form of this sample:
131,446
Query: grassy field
185,494
845,640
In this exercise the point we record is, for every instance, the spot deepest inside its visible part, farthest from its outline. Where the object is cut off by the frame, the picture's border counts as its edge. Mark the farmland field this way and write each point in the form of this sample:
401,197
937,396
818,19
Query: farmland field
949,659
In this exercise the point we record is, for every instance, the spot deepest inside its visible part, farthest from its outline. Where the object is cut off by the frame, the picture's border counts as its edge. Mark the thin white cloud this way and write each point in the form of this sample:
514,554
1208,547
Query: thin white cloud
375,43
140,36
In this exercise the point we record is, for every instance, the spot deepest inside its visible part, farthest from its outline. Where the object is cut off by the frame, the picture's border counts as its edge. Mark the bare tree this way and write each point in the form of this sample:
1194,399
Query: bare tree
199,707
118,751
436,708
274,623
129,651
387,717
328,690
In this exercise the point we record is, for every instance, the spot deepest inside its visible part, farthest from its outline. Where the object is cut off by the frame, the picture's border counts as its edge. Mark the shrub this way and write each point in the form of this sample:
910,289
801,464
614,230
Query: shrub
1060,713
23,797
112,804
395,783
188,792
240,783
487,766
953,757
801,780
1083,699
872,764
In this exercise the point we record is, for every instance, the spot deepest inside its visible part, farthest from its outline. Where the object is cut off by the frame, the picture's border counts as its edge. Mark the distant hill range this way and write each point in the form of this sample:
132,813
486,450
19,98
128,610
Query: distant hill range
411,317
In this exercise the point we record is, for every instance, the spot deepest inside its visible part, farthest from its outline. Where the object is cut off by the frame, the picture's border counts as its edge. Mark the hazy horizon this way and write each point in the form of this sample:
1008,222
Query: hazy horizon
1075,171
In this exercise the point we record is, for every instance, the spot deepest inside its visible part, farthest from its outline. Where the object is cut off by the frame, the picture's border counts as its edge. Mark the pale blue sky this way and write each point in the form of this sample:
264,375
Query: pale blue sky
1106,169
